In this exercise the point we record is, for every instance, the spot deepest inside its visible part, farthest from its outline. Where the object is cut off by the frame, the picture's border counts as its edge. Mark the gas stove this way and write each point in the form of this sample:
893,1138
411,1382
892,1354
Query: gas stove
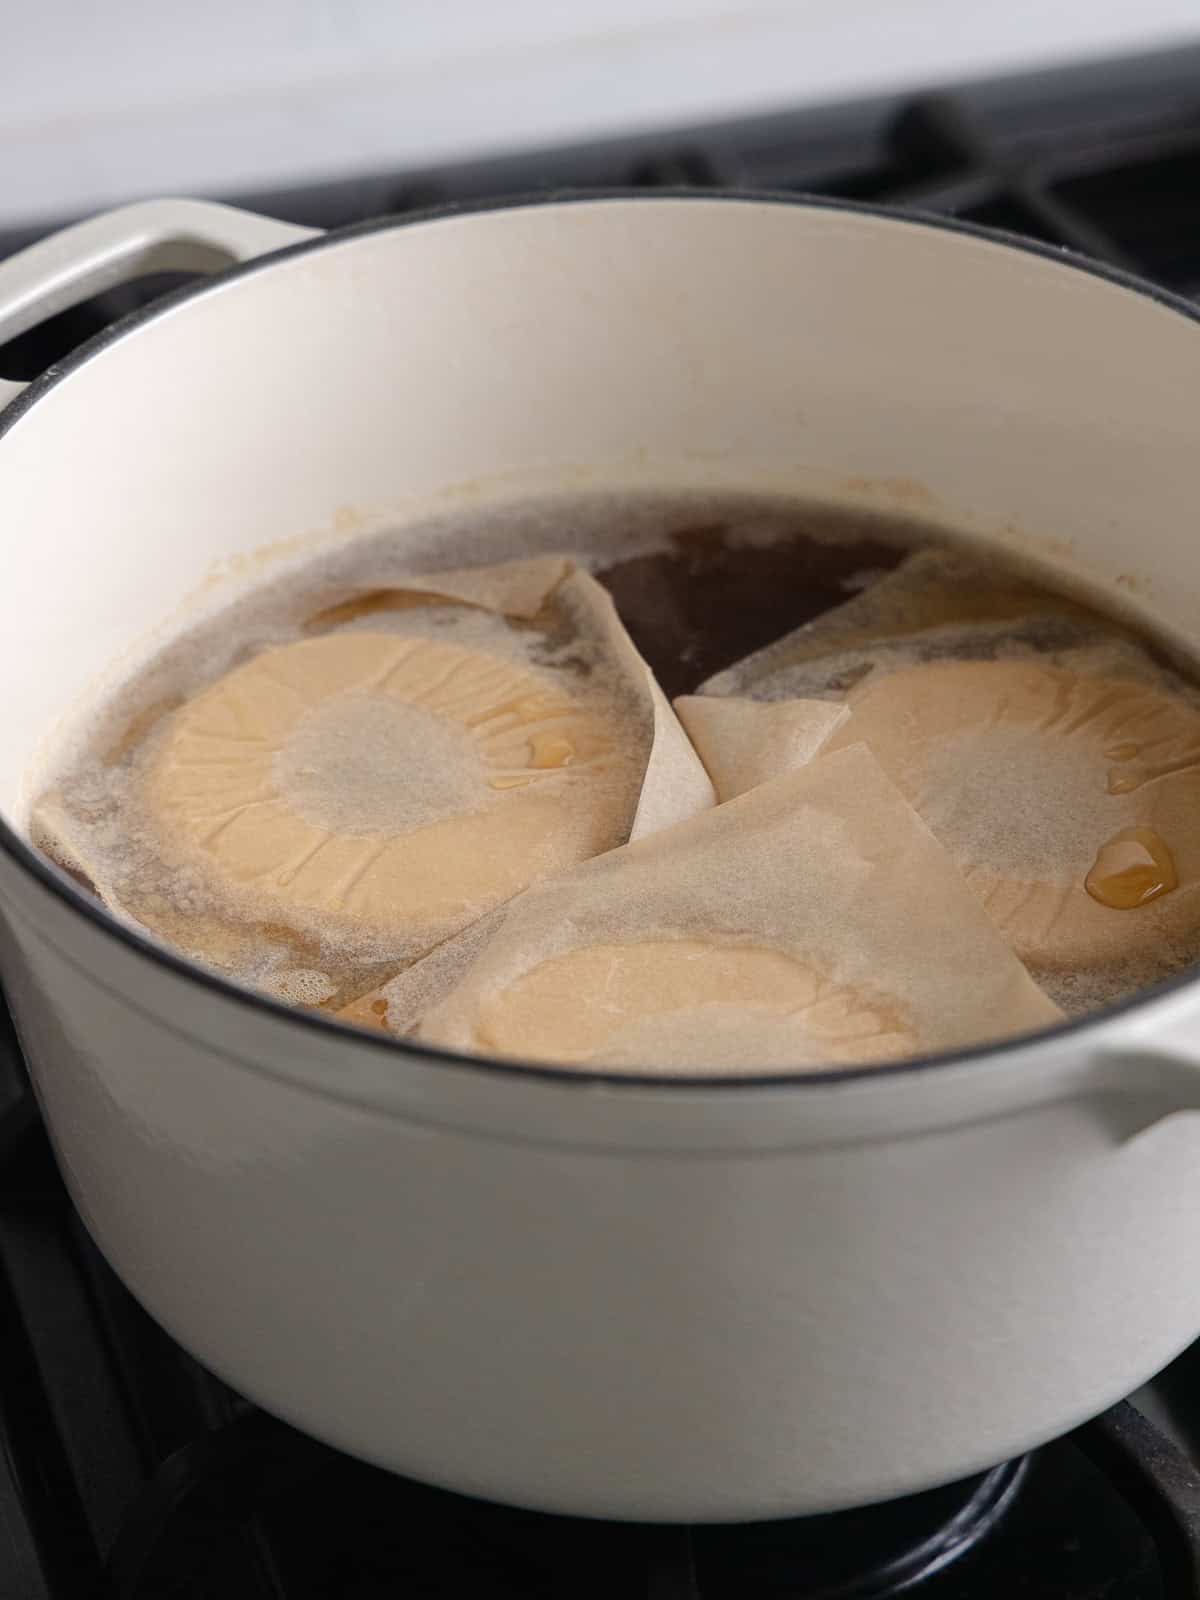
129,1472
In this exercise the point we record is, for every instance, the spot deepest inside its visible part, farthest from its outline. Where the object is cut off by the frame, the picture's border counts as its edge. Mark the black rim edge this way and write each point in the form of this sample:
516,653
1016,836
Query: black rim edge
39,867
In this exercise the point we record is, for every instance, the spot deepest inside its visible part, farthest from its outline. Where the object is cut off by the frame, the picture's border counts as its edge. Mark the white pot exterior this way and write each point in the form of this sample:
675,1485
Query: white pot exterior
645,1301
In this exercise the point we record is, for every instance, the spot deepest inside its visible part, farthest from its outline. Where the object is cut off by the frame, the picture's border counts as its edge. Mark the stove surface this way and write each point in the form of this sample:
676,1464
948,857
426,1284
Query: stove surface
128,1471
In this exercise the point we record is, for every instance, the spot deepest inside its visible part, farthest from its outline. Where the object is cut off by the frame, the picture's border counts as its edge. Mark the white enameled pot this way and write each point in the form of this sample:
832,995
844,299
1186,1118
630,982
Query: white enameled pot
678,1300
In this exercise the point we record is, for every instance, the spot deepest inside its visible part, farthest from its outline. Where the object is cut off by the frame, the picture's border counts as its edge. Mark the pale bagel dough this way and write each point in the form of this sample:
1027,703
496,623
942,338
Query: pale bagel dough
318,793
379,783
679,1002
814,921
1026,772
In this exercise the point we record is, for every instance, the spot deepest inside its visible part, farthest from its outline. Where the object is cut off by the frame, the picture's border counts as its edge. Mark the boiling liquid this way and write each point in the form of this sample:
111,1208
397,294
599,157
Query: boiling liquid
699,583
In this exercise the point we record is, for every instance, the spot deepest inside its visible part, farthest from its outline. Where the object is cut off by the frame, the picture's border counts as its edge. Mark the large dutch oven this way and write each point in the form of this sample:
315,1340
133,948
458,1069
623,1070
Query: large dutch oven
612,1296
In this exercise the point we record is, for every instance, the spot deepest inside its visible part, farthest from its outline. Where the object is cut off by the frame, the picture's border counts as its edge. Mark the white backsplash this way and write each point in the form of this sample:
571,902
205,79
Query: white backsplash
105,102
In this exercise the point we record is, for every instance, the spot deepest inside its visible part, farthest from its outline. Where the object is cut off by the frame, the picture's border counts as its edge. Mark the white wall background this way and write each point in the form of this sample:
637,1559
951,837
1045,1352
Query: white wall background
103,101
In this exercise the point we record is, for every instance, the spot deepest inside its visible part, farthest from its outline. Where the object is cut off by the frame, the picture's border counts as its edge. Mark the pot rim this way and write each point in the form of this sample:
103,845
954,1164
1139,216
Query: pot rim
52,878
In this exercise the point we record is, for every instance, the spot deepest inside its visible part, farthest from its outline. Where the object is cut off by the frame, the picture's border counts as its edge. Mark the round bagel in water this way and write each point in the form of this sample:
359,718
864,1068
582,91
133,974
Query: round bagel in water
1069,801
382,786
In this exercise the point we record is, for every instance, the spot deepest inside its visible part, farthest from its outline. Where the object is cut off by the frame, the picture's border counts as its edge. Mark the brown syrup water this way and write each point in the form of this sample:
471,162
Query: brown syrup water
711,598
698,583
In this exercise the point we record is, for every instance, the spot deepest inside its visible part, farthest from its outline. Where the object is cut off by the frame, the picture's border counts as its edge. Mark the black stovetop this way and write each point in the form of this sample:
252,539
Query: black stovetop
128,1471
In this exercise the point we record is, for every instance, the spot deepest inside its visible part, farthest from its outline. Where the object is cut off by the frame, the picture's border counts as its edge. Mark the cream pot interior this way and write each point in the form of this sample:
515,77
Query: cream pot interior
626,1299
614,340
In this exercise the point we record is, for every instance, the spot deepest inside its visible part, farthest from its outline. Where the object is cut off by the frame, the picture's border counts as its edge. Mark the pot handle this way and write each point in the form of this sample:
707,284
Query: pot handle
151,236
1152,1074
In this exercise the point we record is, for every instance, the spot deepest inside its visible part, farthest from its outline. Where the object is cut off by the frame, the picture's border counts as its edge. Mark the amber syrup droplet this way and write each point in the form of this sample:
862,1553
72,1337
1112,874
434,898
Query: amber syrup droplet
368,605
548,750
1131,869
1123,782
